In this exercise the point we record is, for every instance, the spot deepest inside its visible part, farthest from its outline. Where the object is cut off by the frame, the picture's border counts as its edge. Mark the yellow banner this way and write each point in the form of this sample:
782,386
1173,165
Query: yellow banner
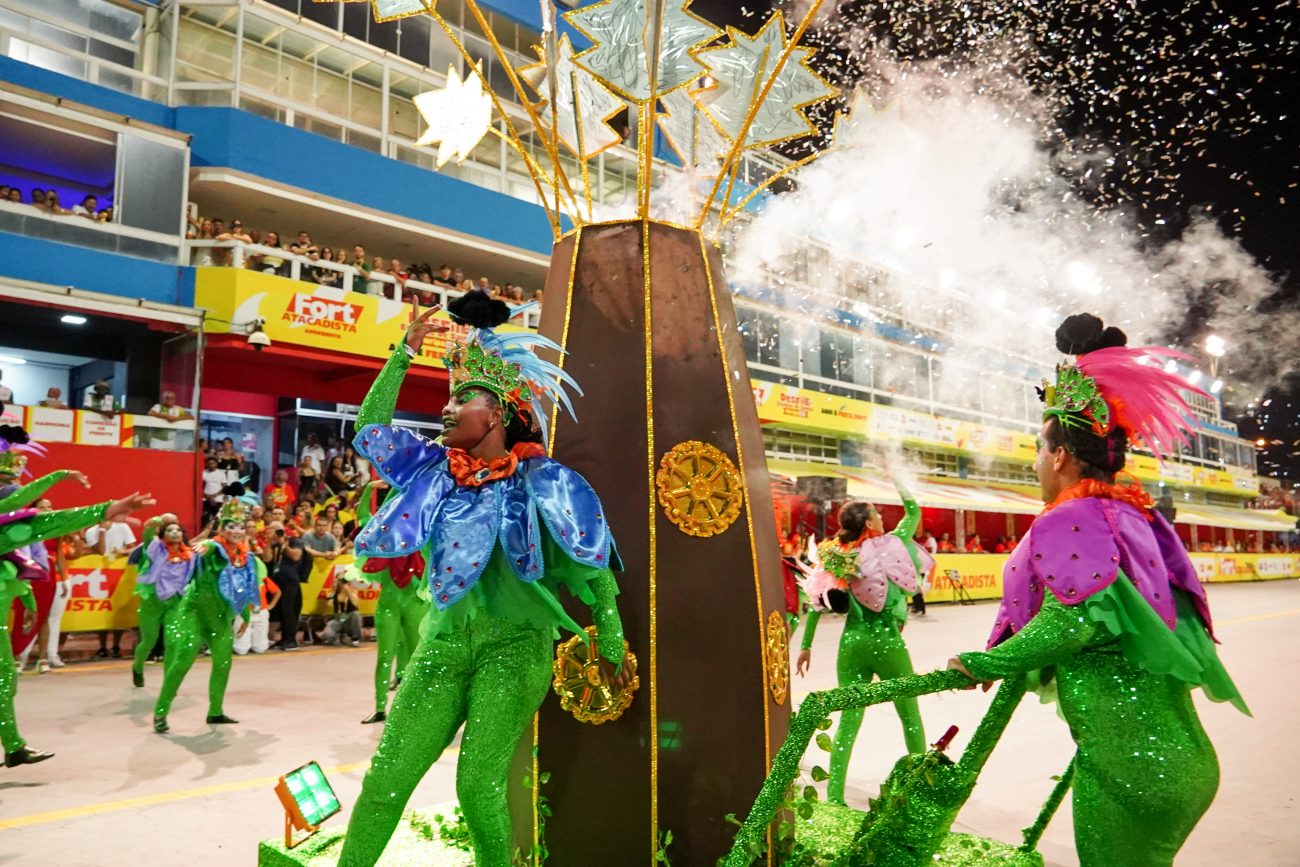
815,411
102,594
304,314
1246,567
980,575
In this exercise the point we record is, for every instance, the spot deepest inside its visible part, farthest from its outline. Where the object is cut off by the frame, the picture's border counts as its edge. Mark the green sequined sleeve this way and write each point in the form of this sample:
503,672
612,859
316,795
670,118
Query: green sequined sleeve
381,400
598,590
1056,633
47,525
810,629
906,528
32,491
13,587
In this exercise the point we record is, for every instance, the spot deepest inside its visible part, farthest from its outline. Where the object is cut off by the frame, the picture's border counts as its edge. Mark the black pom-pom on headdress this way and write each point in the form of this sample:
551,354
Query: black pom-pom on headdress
477,310
1083,333
14,434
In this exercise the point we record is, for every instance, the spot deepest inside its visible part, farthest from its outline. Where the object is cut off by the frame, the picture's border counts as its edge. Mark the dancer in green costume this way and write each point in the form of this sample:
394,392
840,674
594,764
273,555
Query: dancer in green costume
19,527
164,566
399,613
1124,634
225,586
502,528
868,575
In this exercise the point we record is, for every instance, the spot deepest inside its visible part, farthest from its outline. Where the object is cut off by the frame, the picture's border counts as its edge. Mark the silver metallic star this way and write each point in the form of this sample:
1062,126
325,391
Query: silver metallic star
741,68
595,104
621,37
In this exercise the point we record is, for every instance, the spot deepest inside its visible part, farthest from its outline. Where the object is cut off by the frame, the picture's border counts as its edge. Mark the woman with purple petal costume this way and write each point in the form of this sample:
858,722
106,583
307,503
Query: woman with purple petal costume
1103,602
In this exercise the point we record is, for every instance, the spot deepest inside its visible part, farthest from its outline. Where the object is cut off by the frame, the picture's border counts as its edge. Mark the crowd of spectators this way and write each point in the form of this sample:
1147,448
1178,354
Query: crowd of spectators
47,201
374,273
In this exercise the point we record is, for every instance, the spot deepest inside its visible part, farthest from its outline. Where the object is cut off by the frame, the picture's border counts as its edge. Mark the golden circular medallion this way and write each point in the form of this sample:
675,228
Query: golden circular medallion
700,489
778,656
582,686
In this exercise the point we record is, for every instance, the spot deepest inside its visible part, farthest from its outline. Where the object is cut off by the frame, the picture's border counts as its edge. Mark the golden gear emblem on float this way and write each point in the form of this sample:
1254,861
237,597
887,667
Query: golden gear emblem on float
700,489
583,689
778,656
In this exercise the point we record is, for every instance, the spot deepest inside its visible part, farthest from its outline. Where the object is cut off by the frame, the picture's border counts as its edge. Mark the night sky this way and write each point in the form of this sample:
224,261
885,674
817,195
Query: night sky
1196,98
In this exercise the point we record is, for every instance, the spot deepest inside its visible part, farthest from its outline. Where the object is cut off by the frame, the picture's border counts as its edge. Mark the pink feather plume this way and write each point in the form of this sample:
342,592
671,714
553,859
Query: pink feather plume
1143,397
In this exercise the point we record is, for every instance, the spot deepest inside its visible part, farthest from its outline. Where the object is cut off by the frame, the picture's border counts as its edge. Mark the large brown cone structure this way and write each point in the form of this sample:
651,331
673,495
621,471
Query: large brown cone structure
644,312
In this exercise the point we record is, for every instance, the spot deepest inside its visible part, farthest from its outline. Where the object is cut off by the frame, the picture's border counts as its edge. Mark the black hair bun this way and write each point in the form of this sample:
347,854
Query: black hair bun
1083,333
14,433
234,489
838,600
477,310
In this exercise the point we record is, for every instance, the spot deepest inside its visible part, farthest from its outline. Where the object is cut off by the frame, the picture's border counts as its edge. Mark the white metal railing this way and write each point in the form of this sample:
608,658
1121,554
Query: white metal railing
202,252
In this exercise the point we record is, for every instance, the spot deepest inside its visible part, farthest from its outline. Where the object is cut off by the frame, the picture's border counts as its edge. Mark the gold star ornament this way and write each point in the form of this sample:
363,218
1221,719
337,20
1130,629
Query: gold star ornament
456,117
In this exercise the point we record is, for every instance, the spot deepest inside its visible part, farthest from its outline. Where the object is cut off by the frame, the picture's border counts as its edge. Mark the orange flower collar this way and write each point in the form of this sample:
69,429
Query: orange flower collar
238,554
471,472
1130,493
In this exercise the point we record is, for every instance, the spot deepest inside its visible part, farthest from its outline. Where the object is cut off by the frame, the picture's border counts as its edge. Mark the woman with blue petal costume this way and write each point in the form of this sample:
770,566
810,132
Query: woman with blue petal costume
501,528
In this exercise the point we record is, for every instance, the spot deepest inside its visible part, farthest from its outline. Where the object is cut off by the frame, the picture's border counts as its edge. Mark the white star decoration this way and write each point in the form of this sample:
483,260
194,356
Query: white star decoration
457,117
621,41
741,68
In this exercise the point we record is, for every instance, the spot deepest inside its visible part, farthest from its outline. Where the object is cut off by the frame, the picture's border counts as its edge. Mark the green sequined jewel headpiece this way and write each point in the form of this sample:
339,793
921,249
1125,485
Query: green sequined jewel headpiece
233,511
1075,400
470,365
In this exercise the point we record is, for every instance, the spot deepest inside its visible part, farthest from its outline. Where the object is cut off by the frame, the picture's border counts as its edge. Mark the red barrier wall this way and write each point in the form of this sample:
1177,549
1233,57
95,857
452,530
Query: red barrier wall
172,477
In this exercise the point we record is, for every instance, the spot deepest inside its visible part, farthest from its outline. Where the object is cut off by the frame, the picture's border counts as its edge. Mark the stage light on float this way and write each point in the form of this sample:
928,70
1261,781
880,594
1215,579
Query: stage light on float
308,801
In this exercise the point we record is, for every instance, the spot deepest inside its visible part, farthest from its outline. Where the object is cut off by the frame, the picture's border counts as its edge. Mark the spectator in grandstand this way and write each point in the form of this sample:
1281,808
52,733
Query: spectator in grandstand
15,196
375,284
100,399
443,279
229,461
214,480
325,276
313,452
320,541
167,409
339,476
515,295
340,533
104,215
973,545
485,286
88,208
53,398
303,246
945,544
224,256
271,263
460,282
929,542
256,638
280,494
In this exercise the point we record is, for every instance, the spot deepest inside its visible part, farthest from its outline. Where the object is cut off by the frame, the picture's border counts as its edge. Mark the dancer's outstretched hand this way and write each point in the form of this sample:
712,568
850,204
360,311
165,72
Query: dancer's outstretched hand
127,505
79,476
955,664
422,325
801,664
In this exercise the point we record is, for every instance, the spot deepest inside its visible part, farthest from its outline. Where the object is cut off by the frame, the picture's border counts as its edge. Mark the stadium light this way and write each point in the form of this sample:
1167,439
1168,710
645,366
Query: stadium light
308,801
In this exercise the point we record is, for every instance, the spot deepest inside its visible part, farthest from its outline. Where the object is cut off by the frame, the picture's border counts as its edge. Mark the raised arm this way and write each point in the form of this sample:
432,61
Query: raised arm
906,528
32,491
1056,633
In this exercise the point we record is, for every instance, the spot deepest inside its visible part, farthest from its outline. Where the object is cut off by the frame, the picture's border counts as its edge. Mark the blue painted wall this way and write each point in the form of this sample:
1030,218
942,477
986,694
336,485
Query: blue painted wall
56,264
235,139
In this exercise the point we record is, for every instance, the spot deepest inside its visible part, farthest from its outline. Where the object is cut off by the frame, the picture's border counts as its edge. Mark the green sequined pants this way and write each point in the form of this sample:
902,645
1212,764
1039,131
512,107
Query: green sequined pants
1145,772
397,631
200,618
491,677
152,613
8,686
867,651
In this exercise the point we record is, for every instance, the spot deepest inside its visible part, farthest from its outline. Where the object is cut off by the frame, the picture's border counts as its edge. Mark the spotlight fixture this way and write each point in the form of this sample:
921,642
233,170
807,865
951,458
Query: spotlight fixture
308,801
256,336
72,319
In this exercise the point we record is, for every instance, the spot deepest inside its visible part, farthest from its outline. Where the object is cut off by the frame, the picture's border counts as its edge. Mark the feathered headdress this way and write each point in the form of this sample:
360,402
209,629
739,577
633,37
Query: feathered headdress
1112,385
506,364
15,448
